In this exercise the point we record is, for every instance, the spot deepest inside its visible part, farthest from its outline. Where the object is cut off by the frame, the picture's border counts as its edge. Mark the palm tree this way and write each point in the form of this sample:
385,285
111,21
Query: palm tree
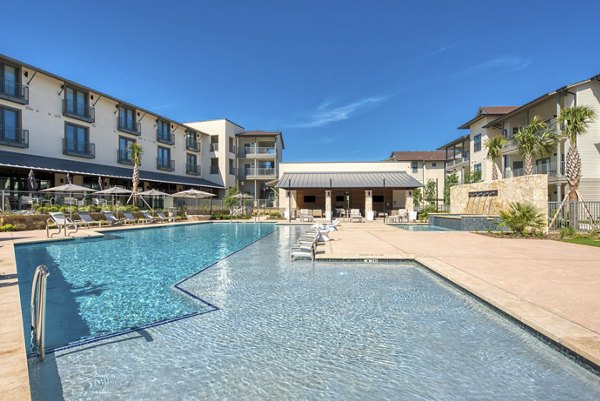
135,154
574,122
533,140
494,152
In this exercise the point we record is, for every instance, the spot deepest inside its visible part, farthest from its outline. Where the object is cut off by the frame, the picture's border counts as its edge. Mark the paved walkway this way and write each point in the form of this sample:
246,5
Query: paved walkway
551,286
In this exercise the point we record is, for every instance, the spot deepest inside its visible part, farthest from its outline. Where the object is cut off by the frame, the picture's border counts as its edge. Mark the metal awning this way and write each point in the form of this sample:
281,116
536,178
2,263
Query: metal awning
397,180
27,161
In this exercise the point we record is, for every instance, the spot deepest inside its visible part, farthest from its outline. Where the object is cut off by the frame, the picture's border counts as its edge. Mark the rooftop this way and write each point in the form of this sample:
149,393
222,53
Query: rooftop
487,111
416,155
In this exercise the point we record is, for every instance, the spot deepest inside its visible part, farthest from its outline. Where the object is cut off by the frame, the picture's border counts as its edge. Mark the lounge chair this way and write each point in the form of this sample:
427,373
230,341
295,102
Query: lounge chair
161,216
130,218
327,227
412,216
355,215
85,219
148,217
59,220
306,215
112,220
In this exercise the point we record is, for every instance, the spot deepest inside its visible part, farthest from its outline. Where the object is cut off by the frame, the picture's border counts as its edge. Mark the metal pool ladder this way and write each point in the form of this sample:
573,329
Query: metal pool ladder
38,309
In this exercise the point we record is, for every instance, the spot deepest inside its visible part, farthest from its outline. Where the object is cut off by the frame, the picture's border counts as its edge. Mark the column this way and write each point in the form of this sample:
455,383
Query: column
409,205
328,213
558,158
369,204
559,195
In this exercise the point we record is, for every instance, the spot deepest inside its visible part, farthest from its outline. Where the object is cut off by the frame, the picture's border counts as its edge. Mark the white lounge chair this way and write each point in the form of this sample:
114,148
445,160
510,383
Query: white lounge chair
306,215
112,220
327,227
85,219
412,216
148,217
355,215
129,218
161,216
63,223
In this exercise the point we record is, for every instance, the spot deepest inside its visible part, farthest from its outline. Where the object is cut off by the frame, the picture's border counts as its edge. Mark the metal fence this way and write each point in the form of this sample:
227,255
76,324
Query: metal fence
581,216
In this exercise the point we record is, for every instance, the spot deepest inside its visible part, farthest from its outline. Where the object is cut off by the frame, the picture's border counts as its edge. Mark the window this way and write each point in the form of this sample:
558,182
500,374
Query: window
433,164
514,132
214,143
77,142
231,145
339,198
477,167
163,132
123,152
75,104
231,167
378,198
10,84
214,165
127,122
414,166
477,143
10,132
163,161
310,199
191,141
191,165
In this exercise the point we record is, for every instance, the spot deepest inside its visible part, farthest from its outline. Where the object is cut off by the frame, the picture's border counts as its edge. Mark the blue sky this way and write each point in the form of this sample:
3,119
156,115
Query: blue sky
343,80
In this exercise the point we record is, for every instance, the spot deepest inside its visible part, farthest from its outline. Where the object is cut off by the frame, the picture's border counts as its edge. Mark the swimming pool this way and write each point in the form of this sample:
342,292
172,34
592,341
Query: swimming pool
420,227
100,286
303,330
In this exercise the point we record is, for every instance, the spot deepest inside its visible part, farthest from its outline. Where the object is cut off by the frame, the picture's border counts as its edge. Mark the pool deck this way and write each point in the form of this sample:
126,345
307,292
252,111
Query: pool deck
550,286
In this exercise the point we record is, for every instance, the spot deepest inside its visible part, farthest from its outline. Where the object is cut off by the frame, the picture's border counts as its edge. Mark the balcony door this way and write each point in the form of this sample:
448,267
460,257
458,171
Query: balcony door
77,139
10,80
76,101
9,120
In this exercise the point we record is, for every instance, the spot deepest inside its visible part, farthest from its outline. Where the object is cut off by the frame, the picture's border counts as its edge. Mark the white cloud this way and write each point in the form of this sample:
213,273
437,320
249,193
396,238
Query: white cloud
328,113
506,63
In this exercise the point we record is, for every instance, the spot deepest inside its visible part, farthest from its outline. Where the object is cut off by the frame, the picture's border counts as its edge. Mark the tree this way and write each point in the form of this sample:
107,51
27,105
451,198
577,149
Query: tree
472,177
574,122
417,196
229,198
451,180
534,140
135,154
494,147
522,218
430,192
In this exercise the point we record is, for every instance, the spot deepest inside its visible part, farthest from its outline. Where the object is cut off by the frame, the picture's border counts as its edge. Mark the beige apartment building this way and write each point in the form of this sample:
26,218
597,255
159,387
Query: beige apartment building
54,126
423,166
548,107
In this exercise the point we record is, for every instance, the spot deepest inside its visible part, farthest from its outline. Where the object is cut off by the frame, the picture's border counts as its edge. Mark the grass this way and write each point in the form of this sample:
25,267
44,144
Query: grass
590,241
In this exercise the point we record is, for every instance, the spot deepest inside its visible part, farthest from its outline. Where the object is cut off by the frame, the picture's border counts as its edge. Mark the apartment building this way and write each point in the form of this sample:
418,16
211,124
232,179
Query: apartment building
548,107
423,166
54,126
248,159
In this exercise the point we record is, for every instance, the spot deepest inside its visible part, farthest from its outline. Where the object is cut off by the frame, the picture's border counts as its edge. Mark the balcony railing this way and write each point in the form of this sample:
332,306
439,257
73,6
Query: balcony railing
232,149
123,157
551,169
12,136
79,110
87,150
192,169
131,127
169,139
10,90
165,164
214,147
257,151
458,160
214,170
193,145
232,170
262,172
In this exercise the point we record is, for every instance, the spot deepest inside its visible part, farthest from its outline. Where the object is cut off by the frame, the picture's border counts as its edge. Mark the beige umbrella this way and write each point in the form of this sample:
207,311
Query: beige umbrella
69,189
194,194
114,191
153,193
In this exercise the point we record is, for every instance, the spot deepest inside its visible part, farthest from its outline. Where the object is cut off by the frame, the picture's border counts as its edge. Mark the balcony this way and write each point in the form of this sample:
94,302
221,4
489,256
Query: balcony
232,170
130,127
165,164
258,152
192,145
79,111
215,170
14,92
459,160
253,173
167,138
192,169
123,157
214,147
550,169
87,150
16,137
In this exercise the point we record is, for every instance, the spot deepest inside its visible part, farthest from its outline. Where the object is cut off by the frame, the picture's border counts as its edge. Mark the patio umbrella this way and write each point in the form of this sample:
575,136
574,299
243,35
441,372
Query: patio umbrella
114,191
69,179
193,194
69,189
100,183
241,196
153,193
31,182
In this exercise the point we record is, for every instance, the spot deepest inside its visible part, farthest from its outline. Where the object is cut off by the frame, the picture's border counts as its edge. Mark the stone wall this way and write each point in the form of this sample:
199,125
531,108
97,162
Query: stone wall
530,188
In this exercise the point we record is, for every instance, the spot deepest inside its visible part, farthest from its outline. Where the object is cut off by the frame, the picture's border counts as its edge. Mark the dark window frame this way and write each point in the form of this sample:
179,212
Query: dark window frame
24,134
136,128
309,199
88,152
124,152
477,143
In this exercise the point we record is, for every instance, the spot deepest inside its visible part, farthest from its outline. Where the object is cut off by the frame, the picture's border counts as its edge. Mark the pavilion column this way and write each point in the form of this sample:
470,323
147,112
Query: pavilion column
328,205
369,204
409,205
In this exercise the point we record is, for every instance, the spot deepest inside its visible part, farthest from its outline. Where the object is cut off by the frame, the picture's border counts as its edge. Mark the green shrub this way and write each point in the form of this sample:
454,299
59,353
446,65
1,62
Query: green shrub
567,232
522,219
7,227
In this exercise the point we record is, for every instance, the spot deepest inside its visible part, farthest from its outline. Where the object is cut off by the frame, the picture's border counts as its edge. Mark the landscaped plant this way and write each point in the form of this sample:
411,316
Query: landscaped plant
7,227
430,192
135,154
534,140
523,219
229,200
472,177
567,232
494,152
417,197
451,180
574,122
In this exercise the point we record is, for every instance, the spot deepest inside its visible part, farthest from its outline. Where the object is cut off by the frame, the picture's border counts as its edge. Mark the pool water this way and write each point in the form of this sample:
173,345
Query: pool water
420,227
101,286
301,330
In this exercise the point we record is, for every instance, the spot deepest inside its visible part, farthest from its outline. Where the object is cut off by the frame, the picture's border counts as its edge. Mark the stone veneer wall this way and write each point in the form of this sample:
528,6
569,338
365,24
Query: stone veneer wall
529,188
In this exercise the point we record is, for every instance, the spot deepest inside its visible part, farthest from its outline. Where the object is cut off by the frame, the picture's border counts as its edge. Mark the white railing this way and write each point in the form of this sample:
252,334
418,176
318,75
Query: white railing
260,172
550,169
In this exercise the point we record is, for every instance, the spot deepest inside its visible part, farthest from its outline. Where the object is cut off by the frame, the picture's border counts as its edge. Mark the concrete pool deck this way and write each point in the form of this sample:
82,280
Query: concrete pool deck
550,286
